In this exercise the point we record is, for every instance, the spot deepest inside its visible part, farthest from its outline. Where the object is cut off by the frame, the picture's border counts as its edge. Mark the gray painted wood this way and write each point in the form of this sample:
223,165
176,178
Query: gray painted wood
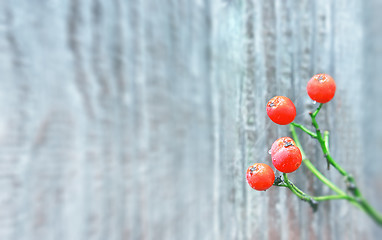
138,119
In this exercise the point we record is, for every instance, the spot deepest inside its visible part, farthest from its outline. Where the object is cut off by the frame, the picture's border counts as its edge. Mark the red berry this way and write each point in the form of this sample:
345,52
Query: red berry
321,88
281,142
286,157
281,110
260,176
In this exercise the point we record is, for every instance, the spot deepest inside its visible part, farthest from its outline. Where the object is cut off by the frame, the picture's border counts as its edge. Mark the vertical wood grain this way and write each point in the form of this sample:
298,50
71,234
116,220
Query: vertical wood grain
138,119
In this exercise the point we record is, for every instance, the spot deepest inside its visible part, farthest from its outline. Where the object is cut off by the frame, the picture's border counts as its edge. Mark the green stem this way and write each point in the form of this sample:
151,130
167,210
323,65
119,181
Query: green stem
322,178
315,171
296,140
323,145
358,199
303,196
332,197
317,110
298,192
326,139
311,167
303,128
367,208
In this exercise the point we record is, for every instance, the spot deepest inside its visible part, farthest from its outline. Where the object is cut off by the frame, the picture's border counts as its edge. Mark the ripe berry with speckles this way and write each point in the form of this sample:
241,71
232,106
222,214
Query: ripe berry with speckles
286,156
260,176
281,110
280,143
321,88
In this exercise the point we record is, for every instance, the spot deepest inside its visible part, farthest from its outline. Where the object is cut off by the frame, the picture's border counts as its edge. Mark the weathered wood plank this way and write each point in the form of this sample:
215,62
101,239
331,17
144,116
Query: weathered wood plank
138,119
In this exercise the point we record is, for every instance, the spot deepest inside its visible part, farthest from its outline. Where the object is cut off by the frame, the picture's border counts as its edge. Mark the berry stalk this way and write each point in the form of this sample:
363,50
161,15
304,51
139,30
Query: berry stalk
323,145
319,175
303,128
311,167
303,196
287,154
356,199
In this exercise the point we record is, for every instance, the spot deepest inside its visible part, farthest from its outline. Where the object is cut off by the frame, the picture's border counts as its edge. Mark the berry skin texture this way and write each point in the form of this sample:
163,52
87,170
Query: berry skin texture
286,158
281,110
260,176
321,88
280,143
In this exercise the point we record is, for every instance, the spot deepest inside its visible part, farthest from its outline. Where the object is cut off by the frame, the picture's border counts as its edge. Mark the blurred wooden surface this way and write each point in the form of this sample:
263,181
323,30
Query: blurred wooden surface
138,119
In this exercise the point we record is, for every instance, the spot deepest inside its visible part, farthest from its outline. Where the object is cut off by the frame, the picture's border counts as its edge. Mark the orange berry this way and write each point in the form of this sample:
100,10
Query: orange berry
260,176
321,88
281,110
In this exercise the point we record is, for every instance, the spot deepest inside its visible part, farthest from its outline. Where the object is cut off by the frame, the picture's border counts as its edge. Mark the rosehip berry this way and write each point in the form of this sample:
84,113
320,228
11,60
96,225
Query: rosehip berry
281,110
281,142
260,176
286,156
321,88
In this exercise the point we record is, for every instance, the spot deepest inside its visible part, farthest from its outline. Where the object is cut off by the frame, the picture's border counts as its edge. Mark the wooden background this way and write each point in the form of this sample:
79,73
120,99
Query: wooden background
137,119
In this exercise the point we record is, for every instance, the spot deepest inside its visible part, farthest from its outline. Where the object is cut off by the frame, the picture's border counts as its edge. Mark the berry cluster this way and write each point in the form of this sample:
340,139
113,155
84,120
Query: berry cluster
287,153
286,156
